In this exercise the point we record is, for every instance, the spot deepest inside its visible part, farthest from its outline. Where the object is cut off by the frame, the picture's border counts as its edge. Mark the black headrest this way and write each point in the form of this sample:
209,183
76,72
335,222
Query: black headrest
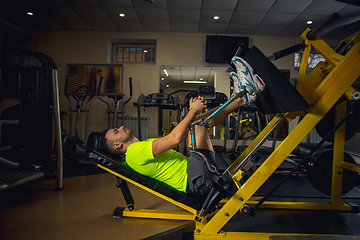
93,141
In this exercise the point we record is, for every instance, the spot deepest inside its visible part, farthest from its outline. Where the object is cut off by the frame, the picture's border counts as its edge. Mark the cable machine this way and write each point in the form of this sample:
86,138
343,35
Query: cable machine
31,79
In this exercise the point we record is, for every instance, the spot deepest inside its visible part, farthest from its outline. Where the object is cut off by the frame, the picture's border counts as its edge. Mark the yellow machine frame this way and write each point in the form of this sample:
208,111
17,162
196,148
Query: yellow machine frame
321,88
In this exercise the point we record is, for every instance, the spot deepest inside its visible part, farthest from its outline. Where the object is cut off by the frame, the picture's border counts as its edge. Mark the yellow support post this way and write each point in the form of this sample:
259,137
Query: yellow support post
338,156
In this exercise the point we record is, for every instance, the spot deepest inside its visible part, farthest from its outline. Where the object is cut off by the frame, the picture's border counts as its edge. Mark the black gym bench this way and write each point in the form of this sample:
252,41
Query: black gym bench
117,166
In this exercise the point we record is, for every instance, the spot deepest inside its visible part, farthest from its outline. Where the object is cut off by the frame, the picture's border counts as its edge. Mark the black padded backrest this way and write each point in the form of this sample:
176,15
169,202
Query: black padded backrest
280,96
116,164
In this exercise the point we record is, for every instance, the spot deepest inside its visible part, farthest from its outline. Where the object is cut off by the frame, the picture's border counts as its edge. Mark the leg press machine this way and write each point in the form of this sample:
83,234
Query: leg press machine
328,85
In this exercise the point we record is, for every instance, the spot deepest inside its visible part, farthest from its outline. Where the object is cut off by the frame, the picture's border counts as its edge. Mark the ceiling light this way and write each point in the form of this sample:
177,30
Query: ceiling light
145,51
167,85
201,79
162,79
166,73
194,82
216,17
30,13
309,22
122,14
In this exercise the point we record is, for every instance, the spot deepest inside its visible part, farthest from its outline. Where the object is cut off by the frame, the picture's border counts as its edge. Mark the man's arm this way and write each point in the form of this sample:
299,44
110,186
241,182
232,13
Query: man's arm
206,114
178,134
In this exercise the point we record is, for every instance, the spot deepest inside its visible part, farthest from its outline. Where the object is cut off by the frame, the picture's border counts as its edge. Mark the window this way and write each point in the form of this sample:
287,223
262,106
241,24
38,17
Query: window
314,59
134,51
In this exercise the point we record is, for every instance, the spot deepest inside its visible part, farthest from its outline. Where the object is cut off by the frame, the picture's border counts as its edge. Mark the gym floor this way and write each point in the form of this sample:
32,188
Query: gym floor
83,210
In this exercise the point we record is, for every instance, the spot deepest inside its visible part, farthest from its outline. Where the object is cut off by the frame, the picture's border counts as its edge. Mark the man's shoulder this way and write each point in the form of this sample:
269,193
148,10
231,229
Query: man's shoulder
140,144
146,141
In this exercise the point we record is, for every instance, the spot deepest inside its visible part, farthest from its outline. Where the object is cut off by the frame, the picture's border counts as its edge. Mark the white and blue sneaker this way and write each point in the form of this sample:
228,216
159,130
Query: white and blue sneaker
248,98
246,77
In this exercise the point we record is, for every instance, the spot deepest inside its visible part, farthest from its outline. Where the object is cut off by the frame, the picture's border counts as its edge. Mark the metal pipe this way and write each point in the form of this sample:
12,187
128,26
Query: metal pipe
116,111
313,33
78,118
257,146
123,106
70,103
108,105
87,107
57,123
240,110
287,51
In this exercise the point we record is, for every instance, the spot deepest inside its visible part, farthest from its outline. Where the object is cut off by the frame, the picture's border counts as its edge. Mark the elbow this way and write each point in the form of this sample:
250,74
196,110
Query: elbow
177,140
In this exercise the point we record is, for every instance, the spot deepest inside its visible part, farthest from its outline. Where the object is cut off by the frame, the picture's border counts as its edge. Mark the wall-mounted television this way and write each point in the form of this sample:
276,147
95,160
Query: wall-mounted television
220,49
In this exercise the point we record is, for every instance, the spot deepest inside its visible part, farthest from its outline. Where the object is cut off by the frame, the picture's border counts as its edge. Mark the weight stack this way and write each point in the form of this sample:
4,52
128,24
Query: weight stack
27,76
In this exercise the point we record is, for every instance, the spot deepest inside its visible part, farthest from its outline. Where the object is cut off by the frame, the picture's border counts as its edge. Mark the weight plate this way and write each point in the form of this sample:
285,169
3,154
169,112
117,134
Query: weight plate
319,172
328,122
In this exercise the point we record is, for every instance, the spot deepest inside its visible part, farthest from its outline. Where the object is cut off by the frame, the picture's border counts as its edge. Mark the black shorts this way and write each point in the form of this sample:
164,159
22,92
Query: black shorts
201,171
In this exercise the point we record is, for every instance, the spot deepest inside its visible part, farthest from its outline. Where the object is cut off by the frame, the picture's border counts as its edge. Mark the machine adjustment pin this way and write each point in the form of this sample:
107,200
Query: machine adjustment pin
241,199
198,230
356,95
226,214
245,210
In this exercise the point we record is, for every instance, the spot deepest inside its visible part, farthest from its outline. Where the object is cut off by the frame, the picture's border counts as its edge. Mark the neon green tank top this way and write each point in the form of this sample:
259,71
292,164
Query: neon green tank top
169,167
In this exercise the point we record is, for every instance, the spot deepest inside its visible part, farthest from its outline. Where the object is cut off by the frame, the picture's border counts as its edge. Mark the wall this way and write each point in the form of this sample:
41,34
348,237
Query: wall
172,49
222,83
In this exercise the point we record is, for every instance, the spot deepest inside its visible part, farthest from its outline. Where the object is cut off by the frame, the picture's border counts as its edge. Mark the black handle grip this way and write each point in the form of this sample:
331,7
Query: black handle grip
131,89
99,86
94,89
79,95
66,86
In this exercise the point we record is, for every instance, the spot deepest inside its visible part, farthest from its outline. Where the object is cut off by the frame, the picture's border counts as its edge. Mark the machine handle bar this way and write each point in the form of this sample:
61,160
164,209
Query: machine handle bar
313,33
76,94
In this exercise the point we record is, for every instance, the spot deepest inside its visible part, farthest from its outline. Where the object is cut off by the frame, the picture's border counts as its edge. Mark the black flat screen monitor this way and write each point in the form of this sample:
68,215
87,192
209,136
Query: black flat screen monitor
220,49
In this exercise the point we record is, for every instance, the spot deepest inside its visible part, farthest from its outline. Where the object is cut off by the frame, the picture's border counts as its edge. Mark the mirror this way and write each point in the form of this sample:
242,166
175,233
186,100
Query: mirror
189,78
172,77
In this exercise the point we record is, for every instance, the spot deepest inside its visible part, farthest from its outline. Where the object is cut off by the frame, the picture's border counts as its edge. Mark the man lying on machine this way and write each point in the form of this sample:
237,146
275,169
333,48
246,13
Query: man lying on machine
156,158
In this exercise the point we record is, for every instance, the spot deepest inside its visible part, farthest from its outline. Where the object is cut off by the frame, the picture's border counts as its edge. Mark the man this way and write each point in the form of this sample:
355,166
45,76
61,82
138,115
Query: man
156,158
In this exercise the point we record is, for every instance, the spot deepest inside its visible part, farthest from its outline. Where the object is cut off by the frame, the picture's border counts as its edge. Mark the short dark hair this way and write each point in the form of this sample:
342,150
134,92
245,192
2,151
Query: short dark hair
103,140
104,144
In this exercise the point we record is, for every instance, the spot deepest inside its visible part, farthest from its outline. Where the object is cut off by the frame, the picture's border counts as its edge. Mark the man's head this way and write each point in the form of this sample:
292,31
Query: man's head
117,140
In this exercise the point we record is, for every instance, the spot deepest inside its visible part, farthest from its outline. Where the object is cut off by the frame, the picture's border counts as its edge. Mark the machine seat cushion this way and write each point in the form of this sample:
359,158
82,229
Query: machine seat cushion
116,164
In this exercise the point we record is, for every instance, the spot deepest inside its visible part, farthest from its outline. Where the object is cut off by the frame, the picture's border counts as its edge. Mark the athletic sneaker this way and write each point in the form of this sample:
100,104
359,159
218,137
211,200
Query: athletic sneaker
246,77
248,98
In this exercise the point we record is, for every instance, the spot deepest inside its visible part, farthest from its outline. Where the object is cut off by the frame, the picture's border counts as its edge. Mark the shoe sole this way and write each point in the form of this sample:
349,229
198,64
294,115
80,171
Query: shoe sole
253,76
